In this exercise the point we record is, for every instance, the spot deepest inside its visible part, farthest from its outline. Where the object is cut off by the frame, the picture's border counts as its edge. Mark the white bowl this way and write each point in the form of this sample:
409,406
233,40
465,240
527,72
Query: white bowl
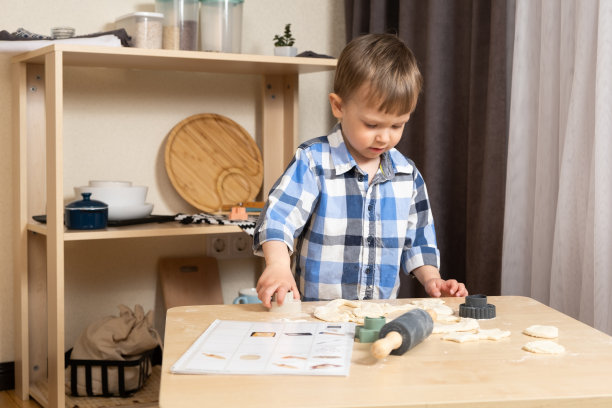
109,183
115,196
129,212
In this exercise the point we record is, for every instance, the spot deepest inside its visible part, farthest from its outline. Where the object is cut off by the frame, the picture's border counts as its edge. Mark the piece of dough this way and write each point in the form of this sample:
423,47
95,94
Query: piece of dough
460,337
545,332
435,304
482,334
447,319
544,347
428,302
492,334
335,311
290,305
464,325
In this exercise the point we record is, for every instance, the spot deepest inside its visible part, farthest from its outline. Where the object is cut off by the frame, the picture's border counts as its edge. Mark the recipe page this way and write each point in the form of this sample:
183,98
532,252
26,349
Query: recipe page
301,348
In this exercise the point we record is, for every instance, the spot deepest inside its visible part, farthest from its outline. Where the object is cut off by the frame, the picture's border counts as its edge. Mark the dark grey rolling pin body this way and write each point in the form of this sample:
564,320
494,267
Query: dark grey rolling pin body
413,327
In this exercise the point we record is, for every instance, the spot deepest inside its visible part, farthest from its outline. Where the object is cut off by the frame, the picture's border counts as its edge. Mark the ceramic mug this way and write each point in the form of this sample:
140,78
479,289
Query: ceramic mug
247,295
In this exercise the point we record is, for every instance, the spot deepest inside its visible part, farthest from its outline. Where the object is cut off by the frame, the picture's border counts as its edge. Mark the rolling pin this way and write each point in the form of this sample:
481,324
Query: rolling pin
400,335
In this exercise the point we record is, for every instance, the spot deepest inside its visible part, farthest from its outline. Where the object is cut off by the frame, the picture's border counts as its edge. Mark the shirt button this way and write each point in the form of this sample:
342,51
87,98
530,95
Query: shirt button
360,178
371,241
370,207
368,270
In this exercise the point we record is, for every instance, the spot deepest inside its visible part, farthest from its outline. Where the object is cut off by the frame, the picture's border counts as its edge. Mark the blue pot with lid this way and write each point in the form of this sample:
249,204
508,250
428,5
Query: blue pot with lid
86,214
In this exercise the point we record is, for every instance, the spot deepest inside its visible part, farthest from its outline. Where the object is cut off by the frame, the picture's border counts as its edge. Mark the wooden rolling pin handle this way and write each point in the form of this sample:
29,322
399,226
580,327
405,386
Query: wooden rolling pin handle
381,348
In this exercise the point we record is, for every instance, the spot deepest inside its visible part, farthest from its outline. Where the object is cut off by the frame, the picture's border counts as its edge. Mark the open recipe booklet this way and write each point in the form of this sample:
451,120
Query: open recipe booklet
300,348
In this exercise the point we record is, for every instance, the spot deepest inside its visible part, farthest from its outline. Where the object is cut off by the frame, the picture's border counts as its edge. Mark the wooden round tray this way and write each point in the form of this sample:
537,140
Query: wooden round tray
212,161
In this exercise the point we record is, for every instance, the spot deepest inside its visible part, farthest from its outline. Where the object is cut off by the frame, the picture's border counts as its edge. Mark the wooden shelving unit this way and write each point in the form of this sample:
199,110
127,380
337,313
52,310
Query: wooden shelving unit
38,83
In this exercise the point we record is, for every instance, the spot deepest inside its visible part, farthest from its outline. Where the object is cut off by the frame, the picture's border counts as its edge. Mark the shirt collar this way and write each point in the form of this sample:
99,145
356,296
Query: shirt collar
392,162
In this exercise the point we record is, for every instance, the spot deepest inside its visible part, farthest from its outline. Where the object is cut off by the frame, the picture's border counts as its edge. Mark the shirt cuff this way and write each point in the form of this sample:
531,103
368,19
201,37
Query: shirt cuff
422,255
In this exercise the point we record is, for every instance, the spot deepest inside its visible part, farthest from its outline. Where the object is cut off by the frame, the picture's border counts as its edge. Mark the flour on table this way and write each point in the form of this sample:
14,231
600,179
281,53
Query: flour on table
466,324
544,347
545,332
342,310
481,334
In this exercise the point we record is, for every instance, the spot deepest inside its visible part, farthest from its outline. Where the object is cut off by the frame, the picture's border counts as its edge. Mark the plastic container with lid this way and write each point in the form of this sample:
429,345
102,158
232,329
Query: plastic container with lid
145,28
180,23
221,25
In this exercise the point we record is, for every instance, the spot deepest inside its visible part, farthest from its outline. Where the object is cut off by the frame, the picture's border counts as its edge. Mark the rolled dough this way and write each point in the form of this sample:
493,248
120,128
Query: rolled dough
342,310
544,347
545,332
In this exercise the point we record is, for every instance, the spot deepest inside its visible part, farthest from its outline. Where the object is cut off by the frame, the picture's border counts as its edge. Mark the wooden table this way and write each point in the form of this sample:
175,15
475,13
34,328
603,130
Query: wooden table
435,373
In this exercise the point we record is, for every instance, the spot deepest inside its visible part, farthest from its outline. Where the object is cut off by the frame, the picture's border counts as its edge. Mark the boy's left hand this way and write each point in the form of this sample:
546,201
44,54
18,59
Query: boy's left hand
437,287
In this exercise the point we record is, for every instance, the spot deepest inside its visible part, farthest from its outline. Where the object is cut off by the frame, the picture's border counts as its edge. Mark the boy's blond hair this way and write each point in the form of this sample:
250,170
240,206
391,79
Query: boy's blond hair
387,66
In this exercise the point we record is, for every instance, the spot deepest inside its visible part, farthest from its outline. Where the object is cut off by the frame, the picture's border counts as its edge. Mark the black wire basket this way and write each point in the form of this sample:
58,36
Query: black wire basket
143,364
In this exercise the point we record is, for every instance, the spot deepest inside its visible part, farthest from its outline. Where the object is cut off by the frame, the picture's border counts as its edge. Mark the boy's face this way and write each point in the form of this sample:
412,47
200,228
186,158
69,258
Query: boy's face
367,132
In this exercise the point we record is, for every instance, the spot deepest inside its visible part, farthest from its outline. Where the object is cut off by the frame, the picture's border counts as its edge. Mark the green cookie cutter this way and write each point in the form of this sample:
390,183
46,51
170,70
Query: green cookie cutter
369,332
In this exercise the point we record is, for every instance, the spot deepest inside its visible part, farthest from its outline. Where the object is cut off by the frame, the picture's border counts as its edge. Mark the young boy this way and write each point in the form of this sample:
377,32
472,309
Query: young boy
356,207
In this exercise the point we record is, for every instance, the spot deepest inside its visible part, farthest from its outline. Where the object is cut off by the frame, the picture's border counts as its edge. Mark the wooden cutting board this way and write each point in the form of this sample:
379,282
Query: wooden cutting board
212,161
190,281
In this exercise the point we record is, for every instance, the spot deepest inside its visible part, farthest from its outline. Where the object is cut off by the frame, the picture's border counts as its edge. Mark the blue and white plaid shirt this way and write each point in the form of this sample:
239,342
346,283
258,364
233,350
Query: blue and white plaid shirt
351,238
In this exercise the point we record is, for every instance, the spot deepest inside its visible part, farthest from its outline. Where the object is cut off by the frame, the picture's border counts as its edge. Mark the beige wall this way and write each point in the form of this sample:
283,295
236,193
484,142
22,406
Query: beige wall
115,131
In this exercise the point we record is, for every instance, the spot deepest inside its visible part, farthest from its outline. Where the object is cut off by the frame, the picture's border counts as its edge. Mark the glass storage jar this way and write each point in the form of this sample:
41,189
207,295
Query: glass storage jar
221,25
180,30
144,28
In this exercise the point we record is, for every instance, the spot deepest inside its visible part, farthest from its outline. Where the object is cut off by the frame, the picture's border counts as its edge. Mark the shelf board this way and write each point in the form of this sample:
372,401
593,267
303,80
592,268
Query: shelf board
176,60
167,229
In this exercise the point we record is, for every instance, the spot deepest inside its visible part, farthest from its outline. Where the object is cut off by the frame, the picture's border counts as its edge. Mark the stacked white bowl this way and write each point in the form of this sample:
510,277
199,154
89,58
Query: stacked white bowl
125,201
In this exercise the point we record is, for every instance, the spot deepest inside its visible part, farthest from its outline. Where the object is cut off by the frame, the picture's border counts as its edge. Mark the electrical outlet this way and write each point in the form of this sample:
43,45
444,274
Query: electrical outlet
241,245
229,246
218,246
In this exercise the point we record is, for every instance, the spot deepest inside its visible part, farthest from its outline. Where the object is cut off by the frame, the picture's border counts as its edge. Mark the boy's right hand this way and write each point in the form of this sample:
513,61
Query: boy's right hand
276,279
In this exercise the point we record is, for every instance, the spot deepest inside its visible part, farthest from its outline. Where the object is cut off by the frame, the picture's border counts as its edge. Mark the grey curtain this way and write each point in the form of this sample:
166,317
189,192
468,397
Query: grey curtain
458,134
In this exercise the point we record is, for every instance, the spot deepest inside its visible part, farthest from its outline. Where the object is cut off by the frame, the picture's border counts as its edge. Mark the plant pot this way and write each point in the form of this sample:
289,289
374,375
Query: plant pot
285,51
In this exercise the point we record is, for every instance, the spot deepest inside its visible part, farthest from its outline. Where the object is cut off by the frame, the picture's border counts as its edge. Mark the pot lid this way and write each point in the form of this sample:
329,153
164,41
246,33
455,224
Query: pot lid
86,204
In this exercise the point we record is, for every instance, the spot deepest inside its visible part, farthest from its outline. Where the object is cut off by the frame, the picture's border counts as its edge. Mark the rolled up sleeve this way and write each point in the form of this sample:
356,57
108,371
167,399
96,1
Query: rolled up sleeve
420,246
289,205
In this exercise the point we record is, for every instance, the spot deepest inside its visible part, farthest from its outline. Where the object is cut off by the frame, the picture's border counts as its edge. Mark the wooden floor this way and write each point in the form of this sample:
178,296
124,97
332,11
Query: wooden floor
8,399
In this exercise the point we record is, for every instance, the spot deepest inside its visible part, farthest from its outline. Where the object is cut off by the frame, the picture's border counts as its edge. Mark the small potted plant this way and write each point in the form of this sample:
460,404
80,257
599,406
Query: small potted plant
283,44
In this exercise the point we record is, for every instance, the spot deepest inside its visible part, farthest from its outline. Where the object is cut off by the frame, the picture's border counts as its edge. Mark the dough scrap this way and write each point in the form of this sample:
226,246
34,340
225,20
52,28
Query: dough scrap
343,310
544,347
482,334
545,332
460,337
335,311
492,334
448,319
466,324
435,304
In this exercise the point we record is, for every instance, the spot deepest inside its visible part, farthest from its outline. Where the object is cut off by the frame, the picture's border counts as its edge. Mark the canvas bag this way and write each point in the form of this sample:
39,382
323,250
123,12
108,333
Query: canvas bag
118,338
